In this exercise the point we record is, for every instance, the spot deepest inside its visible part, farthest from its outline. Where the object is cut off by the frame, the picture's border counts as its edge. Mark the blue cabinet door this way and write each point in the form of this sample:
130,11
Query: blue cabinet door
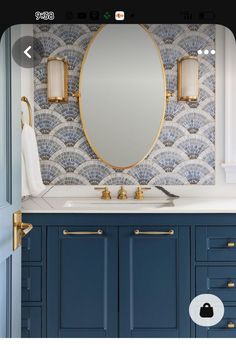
154,285
82,282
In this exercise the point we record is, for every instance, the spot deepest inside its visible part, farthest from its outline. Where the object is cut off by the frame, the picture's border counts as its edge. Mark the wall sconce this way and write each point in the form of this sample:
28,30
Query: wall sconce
188,79
57,72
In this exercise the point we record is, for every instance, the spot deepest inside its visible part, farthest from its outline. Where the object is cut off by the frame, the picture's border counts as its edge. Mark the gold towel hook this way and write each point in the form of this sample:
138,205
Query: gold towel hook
25,99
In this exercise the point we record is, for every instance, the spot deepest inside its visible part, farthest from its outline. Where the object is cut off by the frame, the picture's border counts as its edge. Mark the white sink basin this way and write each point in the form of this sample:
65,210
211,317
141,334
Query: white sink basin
117,204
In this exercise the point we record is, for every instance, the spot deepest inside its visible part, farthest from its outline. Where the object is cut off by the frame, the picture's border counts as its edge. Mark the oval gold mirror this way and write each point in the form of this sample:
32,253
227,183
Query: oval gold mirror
122,94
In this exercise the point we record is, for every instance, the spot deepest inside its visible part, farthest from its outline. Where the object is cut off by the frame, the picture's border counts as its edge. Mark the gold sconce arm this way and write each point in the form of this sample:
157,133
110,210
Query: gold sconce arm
169,94
76,95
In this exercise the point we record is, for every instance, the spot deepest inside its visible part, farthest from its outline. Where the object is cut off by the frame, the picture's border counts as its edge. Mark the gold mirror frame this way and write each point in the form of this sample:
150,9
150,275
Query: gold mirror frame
79,95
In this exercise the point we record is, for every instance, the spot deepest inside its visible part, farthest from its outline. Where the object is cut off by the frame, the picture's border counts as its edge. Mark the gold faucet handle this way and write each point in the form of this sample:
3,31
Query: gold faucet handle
139,195
122,194
106,194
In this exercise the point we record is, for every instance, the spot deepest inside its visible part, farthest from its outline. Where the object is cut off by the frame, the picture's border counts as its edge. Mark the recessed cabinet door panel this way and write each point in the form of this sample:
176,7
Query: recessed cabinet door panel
154,282
82,282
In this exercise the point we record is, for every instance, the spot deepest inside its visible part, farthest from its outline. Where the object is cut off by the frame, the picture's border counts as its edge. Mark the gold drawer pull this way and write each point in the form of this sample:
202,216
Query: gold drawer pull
230,285
168,232
231,325
230,244
98,232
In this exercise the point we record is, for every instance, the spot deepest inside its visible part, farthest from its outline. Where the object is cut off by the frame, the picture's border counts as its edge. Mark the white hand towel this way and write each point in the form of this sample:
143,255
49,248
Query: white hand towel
31,158
24,183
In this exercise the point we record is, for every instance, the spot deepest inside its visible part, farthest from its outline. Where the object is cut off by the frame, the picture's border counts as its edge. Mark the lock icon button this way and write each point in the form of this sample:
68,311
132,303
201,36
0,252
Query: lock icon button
206,310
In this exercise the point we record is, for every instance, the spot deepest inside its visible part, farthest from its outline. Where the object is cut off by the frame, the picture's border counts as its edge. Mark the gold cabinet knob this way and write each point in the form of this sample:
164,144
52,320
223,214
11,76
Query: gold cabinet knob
231,325
230,284
231,244
106,194
139,193
122,194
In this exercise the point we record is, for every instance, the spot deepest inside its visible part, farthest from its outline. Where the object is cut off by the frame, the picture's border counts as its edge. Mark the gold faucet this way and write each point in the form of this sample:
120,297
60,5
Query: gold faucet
139,195
122,194
106,194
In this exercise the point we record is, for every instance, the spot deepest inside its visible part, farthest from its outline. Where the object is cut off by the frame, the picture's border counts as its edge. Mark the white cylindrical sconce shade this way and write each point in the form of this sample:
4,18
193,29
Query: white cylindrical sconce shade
57,74
188,79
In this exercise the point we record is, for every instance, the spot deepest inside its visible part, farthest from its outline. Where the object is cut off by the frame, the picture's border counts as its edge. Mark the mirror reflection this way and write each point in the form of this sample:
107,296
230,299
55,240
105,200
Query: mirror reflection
122,94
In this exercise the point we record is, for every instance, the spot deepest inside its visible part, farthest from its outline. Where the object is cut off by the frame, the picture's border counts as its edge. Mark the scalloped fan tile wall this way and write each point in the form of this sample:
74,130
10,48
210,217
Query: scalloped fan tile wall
185,151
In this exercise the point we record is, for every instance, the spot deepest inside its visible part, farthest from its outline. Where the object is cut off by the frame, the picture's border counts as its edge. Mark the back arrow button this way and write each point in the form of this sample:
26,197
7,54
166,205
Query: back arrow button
26,52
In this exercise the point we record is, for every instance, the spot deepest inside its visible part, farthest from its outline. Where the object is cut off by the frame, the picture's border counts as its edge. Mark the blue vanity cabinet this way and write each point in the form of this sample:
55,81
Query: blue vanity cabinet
78,282
154,287
82,281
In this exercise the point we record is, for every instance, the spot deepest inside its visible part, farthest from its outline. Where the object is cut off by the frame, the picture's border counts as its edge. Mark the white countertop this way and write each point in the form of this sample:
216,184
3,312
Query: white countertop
55,199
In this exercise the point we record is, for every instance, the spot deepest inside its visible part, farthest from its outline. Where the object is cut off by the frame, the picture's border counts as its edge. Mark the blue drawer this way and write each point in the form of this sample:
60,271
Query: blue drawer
216,243
220,330
31,284
32,245
31,326
218,281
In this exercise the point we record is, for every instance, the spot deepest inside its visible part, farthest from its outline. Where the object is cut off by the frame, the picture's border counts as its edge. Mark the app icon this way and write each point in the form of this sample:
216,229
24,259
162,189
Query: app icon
81,15
69,15
94,15
119,15
107,15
